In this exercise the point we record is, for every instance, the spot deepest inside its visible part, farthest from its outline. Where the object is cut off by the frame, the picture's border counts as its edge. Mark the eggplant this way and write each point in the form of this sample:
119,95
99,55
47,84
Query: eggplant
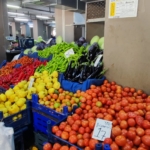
68,69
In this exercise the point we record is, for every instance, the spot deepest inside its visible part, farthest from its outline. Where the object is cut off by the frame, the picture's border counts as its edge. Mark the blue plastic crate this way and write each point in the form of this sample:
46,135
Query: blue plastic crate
40,139
21,122
2,90
53,139
42,114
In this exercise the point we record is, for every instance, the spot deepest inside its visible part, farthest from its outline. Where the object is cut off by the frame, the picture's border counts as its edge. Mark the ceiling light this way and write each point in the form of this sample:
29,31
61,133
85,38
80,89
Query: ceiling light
42,17
53,4
21,19
13,6
13,13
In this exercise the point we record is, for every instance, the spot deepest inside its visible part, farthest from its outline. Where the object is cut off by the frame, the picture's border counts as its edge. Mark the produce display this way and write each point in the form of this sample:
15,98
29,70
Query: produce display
20,73
127,108
59,61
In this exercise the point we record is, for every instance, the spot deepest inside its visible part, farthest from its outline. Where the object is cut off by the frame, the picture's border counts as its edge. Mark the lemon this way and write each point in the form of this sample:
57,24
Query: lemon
51,90
3,97
56,85
23,107
6,115
55,80
54,74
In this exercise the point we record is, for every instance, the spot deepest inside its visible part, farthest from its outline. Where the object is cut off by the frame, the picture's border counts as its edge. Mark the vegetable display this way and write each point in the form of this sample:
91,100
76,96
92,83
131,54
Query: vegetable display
59,61
126,108
8,68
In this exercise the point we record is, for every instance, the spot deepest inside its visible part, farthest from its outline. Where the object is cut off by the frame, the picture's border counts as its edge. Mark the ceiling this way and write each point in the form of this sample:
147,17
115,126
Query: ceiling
32,9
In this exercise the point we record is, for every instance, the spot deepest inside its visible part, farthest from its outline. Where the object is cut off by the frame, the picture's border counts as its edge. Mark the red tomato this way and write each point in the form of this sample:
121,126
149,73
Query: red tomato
140,132
58,133
64,135
87,148
147,131
124,132
147,117
47,146
126,147
56,146
73,139
64,148
114,146
55,129
81,130
120,140
79,136
72,133
137,141
73,148
86,136
92,124
78,122
75,127
85,123
123,124
86,142
146,140
116,131
67,128
108,141
146,124
78,111
123,115
131,135
92,143
139,120
62,125
80,143
75,117
131,122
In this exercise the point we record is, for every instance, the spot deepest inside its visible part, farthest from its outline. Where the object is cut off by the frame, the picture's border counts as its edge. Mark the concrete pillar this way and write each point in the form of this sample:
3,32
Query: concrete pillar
4,31
64,25
13,25
23,29
35,29
18,29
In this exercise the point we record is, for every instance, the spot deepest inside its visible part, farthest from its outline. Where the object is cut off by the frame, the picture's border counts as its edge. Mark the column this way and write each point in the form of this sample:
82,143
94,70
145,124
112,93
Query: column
35,29
4,31
13,25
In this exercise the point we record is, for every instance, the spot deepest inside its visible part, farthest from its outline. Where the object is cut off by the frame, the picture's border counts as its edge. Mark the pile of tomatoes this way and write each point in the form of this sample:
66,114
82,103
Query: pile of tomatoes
128,109
57,146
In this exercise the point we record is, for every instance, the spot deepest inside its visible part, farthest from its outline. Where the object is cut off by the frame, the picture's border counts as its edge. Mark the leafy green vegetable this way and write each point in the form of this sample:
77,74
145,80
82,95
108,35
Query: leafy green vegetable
101,43
59,40
94,39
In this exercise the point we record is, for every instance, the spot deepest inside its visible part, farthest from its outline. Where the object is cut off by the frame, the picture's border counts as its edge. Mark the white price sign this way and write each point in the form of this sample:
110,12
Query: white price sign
31,83
69,52
97,60
102,129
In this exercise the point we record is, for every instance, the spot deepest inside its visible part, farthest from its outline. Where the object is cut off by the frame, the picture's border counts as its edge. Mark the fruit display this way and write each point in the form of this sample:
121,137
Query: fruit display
126,108
57,146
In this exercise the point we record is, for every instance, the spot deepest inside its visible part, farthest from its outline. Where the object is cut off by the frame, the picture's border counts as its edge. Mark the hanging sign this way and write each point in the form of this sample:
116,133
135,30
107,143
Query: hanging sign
102,129
123,8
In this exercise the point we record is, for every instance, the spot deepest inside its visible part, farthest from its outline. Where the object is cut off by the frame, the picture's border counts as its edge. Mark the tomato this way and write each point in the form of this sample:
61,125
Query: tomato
79,136
124,103
86,142
137,141
108,117
75,127
72,133
123,124
78,111
75,117
139,92
120,140
70,121
73,148
87,130
78,122
58,133
108,141
139,120
86,136
67,128
146,140
114,146
116,131
81,130
80,143
123,115
73,139
146,124
126,147
64,135
56,146
131,122
147,117
87,148
92,124
100,116
124,132
140,131
92,143
55,129
147,131
47,146
64,148
62,125
131,135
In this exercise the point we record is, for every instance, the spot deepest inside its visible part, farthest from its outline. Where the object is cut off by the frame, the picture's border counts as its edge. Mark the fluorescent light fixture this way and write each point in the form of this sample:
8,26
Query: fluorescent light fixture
13,6
21,19
13,13
42,17
53,4
53,22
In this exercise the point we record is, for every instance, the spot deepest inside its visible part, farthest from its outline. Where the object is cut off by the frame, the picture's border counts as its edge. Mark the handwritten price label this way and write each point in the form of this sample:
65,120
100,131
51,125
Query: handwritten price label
31,83
102,129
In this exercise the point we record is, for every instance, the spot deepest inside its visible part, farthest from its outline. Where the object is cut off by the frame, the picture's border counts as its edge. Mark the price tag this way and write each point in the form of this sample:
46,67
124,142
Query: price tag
97,60
10,38
69,52
102,129
31,83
